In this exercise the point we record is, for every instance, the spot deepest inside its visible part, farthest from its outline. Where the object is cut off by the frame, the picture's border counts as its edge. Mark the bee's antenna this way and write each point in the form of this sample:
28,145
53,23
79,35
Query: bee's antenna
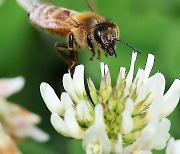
129,45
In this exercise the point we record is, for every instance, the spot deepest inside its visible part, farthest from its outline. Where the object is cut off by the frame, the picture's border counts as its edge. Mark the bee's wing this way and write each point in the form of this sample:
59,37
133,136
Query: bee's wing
52,17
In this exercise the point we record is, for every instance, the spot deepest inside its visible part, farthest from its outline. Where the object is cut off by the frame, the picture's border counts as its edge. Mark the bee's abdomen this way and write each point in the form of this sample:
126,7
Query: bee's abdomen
54,19
42,15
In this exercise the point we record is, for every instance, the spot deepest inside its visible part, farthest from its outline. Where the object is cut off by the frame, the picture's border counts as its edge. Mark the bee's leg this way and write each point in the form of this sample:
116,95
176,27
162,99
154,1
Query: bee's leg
99,54
91,46
60,46
72,54
93,54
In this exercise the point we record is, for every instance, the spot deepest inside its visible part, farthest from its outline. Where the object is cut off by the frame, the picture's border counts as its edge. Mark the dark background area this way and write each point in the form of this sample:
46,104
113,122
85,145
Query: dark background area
149,25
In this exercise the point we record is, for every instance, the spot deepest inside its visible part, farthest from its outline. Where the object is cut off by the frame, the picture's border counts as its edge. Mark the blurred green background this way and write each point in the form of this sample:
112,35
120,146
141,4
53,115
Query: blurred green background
149,25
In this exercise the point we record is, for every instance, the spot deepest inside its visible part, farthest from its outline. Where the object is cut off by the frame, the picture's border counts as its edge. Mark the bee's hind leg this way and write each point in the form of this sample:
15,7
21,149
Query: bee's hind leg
70,59
60,46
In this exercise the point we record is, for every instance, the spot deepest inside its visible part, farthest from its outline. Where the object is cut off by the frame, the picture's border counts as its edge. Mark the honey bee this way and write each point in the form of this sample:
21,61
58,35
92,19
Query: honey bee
86,30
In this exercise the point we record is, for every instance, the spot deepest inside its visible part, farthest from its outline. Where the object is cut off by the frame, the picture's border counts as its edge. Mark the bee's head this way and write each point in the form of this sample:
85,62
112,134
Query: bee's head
106,36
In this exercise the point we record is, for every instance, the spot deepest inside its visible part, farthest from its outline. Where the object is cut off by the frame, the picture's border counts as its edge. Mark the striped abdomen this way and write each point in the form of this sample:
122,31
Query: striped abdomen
55,19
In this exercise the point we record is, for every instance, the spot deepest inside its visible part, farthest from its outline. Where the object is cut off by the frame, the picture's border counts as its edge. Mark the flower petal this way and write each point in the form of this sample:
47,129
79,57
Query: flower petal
10,86
139,77
104,69
122,72
59,125
139,151
149,65
147,135
35,133
131,70
83,111
162,135
99,133
66,101
106,77
93,91
171,99
121,76
154,135
7,145
175,86
129,106
51,100
156,84
170,104
78,79
142,93
173,146
154,109
119,147
105,85
94,149
72,125
69,86
127,121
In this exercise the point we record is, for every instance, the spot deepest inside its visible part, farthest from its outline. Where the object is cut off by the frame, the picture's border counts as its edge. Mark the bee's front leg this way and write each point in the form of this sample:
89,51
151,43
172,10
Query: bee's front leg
72,54
90,46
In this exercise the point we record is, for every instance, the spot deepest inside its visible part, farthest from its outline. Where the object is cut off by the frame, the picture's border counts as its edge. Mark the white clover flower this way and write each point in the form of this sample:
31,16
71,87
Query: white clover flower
173,146
128,118
18,122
